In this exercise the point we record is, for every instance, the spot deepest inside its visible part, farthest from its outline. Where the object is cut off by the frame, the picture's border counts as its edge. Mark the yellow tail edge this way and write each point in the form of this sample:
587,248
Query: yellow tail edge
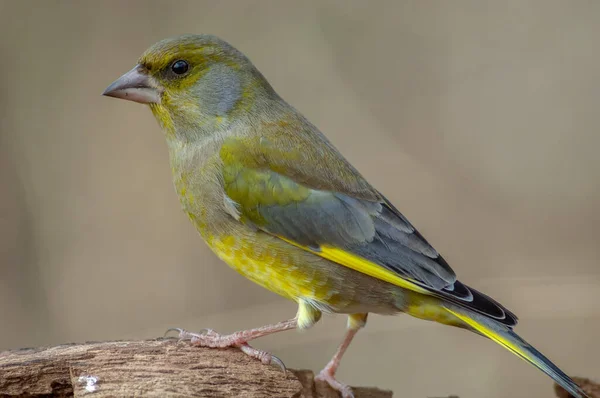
515,344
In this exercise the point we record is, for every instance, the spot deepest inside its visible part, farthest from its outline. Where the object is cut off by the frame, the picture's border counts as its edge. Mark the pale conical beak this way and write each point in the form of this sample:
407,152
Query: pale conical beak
135,85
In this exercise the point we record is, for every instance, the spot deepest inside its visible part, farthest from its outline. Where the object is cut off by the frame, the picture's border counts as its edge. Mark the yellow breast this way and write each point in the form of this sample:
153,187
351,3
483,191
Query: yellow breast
276,266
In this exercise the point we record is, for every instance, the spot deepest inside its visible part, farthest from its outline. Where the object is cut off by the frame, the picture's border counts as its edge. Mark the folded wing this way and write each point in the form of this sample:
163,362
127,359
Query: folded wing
349,222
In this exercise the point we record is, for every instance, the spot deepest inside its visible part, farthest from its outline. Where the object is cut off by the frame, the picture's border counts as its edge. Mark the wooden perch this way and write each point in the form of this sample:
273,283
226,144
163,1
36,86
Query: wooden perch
163,368
153,368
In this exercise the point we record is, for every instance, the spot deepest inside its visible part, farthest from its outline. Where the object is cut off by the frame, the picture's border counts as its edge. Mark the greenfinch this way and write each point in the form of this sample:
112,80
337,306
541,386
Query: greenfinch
275,200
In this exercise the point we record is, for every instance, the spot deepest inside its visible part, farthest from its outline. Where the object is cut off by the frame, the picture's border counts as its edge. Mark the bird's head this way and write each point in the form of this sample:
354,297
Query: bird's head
194,84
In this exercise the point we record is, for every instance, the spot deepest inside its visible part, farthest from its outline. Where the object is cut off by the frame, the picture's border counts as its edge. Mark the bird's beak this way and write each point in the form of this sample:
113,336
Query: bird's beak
135,85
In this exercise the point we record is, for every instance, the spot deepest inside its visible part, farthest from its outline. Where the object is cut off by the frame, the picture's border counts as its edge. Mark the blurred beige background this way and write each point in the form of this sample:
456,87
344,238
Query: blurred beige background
478,119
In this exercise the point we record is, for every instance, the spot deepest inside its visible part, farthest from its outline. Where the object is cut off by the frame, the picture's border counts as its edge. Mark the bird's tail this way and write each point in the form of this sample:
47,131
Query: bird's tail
511,341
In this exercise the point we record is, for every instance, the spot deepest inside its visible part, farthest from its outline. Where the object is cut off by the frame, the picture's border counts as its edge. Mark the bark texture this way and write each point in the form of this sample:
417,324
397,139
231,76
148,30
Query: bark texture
164,368
152,368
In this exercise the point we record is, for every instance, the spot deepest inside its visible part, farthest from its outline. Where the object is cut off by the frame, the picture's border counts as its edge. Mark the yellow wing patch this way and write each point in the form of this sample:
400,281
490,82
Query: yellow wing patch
362,265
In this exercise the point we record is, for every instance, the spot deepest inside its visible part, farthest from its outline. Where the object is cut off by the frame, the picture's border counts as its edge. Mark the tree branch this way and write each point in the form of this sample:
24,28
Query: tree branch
163,368
159,368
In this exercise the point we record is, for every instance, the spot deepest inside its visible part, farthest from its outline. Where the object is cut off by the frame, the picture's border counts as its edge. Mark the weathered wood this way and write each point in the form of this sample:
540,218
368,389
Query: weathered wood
163,368
153,368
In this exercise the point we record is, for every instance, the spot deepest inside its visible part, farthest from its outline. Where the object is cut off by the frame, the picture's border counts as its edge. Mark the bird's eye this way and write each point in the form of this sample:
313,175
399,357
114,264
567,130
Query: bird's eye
180,67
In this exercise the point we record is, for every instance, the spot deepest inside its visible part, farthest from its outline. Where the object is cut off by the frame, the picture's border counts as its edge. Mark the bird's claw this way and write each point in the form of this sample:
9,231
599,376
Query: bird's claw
204,337
263,356
275,361
328,377
178,330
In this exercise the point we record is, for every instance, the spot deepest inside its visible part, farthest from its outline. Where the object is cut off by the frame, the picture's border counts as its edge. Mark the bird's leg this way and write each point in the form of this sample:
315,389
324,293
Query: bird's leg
355,322
210,338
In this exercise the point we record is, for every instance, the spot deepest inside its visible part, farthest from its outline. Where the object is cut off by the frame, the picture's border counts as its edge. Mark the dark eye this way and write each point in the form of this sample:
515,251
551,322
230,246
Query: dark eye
180,67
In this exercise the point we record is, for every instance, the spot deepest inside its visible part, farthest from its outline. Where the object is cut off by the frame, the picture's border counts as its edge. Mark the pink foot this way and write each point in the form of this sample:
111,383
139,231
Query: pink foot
328,376
212,339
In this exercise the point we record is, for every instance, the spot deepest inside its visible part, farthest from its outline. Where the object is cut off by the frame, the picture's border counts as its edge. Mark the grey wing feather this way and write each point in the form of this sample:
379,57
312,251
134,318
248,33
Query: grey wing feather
366,228
380,233
457,291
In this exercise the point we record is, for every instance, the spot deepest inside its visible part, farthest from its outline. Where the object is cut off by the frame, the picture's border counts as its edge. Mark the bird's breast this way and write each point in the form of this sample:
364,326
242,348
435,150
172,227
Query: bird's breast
196,171
281,269
268,261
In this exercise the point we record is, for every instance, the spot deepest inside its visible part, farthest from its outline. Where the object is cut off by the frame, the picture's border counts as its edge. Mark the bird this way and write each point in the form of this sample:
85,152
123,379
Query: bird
276,201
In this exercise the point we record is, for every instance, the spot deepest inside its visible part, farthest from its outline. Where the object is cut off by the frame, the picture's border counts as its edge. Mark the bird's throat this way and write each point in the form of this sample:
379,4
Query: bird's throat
164,118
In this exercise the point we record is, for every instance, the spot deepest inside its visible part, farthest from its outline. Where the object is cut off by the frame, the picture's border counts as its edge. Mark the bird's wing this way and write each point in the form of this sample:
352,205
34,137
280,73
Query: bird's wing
300,189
